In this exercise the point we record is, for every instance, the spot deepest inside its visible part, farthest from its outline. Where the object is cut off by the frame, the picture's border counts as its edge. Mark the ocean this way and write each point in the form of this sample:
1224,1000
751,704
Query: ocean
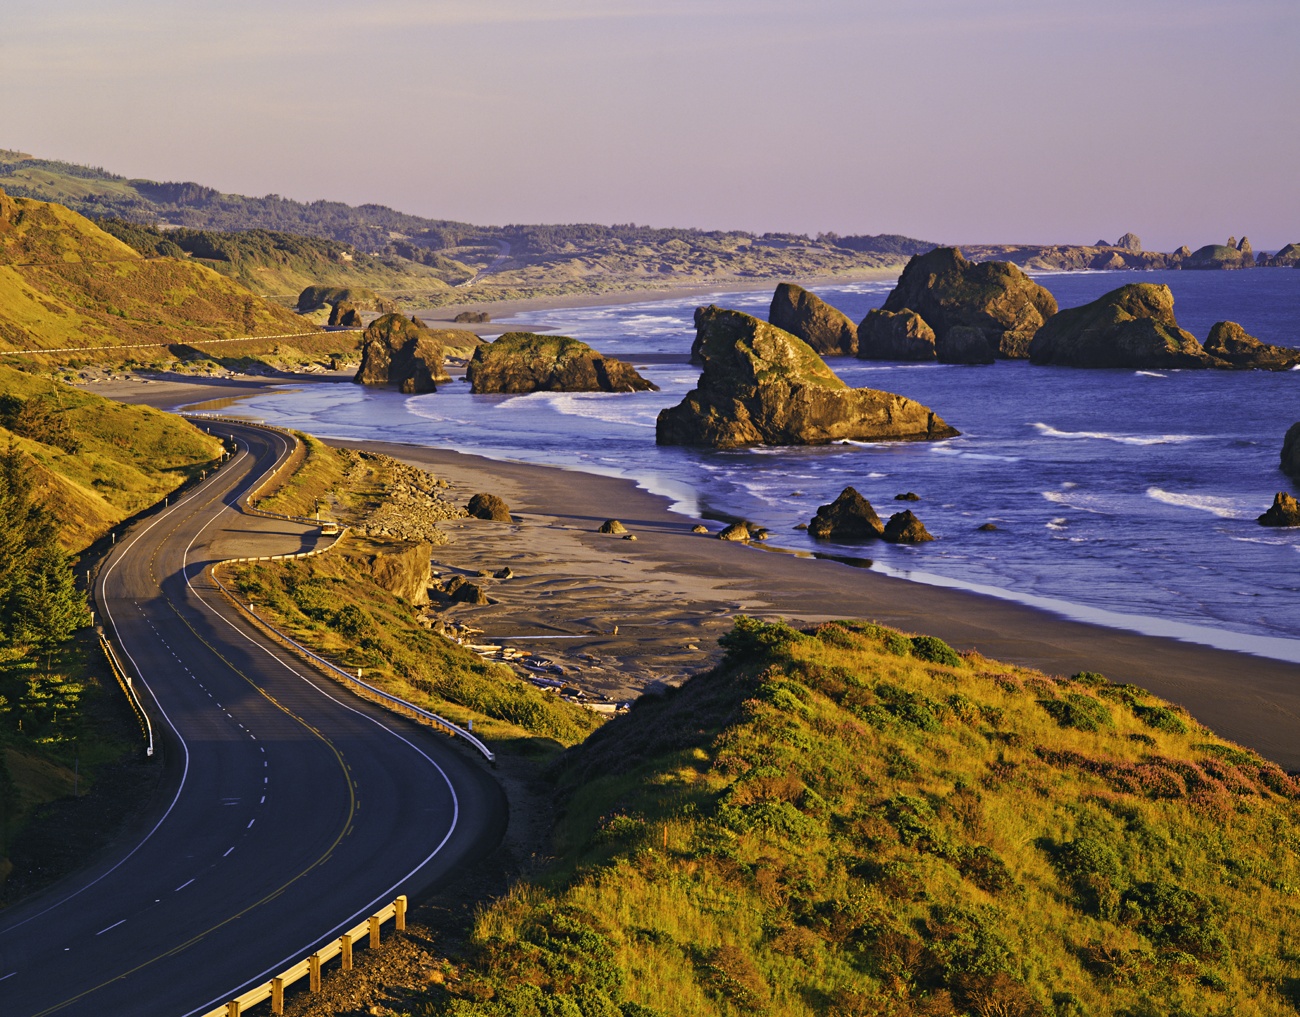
1122,497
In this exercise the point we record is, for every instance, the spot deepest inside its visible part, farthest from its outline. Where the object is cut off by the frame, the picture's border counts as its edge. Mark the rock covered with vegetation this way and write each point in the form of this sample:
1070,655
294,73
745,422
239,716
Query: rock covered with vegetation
762,386
401,352
489,506
806,315
1291,452
850,821
1232,255
849,517
1133,326
995,297
1287,257
1233,346
895,335
314,298
527,362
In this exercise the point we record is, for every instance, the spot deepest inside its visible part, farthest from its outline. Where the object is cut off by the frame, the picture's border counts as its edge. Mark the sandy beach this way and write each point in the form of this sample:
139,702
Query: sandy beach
621,615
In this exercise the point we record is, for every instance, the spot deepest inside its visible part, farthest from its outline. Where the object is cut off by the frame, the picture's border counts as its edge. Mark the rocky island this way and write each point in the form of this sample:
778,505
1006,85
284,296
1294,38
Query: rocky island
947,291
401,351
519,362
764,386
806,315
1291,452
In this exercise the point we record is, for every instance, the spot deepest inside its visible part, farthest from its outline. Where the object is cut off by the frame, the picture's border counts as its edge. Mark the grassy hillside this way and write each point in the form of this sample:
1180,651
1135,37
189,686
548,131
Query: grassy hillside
66,283
95,461
851,822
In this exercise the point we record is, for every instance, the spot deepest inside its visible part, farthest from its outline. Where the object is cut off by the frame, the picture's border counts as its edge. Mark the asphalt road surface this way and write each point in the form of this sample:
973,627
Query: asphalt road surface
291,808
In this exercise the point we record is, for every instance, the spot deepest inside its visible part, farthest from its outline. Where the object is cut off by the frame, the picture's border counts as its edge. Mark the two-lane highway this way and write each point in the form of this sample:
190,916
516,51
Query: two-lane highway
294,809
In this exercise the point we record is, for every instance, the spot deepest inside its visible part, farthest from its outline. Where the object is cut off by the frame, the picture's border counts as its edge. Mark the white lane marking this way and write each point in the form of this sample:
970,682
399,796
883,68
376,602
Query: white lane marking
263,801
111,927
250,824
10,975
184,885
232,847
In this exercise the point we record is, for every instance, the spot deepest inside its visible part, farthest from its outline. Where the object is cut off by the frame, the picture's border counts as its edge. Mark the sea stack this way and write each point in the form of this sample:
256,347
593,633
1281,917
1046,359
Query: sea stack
403,352
806,315
763,386
1133,326
520,362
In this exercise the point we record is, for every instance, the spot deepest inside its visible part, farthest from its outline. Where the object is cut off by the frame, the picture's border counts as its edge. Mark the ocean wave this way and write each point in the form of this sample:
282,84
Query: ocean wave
1150,374
1048,431
1224,508
607,407
1059,523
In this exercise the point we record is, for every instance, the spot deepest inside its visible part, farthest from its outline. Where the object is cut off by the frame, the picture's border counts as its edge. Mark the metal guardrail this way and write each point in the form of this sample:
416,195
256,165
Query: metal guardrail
310,967
124,679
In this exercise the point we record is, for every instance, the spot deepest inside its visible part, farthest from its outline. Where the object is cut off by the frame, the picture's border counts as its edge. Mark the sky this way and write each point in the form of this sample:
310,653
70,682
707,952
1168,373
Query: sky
997,121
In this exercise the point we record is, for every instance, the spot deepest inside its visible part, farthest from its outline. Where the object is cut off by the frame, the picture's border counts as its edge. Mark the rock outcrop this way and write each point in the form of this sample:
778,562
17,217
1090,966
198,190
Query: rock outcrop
473,318
895,335
1285,511
995,297
489,506
762,386
612,526
1133,326
735,531
848,517
401,351
344,315
314,298
1130,242
1231,255
1288,257
400,567
806,315
964,344
1234,347
1291,452
904,528
526,362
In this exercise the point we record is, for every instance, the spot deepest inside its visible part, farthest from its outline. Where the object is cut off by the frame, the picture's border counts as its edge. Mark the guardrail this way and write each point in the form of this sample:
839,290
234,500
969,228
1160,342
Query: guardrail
310,967
124,680
417,712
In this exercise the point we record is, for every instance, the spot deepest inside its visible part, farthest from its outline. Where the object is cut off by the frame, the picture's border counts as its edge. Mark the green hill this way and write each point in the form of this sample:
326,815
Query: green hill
65,283
850,822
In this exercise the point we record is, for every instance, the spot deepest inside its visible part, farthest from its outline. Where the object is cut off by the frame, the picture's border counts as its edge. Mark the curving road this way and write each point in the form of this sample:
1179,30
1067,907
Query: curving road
292,808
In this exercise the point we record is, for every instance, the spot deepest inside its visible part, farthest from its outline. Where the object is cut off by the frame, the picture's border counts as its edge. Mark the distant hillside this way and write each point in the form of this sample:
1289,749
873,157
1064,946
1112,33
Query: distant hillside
65,283
94,461
506,261
851,822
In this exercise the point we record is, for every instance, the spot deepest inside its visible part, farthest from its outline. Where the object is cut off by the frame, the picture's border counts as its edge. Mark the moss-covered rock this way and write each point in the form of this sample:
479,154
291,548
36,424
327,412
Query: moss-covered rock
905,528
763,386
848,517
1133,326
1288,257
895,335
314,298
995,297
489,506
403,352
527,362
806,315
1221,256
1231,344
1285,511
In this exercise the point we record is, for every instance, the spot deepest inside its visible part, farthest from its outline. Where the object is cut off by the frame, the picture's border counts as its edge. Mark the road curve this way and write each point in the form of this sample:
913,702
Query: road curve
292,809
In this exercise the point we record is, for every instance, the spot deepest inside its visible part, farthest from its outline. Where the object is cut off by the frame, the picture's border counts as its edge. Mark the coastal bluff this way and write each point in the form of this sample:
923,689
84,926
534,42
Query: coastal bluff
520,362
403,352
761,385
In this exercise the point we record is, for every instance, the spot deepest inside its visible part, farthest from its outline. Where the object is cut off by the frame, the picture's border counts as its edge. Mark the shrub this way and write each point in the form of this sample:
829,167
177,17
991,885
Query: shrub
1173,917
1078,711
750,638
1161,718
934,650
1090,678
912,708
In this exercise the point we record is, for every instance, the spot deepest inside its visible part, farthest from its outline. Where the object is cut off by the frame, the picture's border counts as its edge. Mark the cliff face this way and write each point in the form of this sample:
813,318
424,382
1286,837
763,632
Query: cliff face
526,362
806,315
1133,326
763,386
400,567
993,296
1291,452
403,352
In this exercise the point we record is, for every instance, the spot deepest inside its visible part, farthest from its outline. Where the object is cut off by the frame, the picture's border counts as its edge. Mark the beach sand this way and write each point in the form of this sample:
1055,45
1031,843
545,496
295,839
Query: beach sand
671,593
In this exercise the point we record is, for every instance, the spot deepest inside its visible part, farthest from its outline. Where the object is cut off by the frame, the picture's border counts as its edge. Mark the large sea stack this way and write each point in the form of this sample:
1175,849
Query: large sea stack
1133,326
763,386
403,352
1234,347
806,315
1291,452
993,296
527,362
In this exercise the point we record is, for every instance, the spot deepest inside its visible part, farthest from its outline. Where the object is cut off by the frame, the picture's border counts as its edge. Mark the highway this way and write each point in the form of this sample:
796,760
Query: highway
290,811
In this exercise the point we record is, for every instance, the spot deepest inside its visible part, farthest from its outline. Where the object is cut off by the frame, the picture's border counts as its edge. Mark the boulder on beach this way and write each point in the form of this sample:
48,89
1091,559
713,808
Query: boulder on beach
762,386
904,528
699,528
849,517
736,531
907,496
964,344
1133,326
806,315
520,362
401,351
473,318
612,526
1291,452
462,591
1285,511
995,297
895,335
489,506
1234,347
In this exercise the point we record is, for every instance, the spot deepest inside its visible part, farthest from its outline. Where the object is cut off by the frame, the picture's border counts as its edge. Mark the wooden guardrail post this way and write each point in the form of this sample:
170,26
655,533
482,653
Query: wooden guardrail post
400,918
277,995
374,932
314,972
345,951
232,1008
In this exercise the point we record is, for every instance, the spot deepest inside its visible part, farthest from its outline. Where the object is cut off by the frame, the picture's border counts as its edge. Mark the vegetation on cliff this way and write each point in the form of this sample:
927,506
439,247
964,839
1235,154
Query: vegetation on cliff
850,821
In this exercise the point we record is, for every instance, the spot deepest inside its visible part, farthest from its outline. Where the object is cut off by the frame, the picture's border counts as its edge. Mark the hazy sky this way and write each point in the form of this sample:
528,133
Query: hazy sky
949,120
